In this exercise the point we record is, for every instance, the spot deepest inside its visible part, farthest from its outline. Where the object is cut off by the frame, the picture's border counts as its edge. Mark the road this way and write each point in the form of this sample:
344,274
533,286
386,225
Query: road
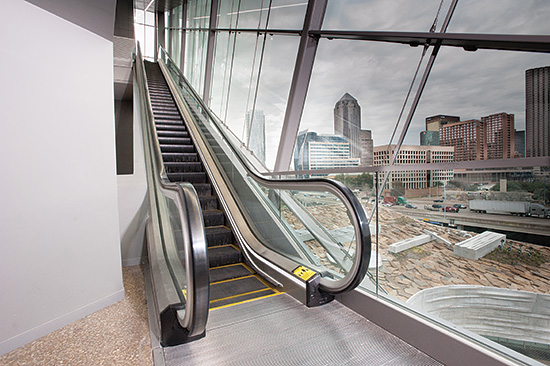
465,217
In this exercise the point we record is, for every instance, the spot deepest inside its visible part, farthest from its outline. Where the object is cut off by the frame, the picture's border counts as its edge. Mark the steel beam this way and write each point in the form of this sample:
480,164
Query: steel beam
315,14
470,42
210,53
183,35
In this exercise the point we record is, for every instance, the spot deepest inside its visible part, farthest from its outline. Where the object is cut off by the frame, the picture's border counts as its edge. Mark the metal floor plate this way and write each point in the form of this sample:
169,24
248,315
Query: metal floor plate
281,331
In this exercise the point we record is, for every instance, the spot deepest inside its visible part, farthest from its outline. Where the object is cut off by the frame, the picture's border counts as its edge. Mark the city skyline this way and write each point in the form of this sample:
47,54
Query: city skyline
462,83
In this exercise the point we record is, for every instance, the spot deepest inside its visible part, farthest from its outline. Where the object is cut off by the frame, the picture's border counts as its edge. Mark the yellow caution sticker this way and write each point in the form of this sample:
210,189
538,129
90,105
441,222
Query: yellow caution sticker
304,273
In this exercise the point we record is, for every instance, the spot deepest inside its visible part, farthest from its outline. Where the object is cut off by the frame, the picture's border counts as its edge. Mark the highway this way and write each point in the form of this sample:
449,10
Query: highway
465,217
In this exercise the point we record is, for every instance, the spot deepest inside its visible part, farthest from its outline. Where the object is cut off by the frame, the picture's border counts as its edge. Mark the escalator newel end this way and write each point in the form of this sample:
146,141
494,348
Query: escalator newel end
315,296
172,333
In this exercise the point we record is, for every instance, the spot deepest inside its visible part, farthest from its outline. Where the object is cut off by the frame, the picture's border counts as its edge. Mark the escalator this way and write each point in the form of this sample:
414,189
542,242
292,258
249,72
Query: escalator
254,251
231,280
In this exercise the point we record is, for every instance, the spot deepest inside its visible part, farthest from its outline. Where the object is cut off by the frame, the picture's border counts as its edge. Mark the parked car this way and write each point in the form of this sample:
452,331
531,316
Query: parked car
451,209
410,205
437,205
438,200
459,206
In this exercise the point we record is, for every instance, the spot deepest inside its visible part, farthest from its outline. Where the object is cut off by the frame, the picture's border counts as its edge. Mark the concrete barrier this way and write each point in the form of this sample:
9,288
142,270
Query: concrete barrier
479,245
409,243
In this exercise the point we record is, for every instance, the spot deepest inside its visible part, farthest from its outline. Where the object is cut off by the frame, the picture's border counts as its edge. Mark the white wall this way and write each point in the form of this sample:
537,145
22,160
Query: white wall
59,230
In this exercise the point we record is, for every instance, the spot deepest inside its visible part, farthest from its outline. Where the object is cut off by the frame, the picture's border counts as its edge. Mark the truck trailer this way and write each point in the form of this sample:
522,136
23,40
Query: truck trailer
509,208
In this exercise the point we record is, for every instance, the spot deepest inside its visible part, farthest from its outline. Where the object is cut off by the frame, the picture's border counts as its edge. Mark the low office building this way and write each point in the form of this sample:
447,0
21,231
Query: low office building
413,154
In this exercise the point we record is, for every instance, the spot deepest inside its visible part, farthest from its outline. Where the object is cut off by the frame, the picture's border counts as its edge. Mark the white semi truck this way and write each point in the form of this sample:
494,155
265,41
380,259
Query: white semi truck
509,208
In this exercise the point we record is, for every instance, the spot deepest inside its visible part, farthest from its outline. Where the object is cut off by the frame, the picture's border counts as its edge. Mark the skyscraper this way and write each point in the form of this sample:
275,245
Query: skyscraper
429,138
519,144
315,151
499,138
254,135
347,122
537,112
468,139
367,145
434,123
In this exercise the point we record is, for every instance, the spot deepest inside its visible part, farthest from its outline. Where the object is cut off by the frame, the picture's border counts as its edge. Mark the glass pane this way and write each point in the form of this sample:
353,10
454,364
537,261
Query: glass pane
253,13
253,108
495,16
228,13
149,46
476,87
287,14
273,90
283,14
357,103
174,33
401,15
236,74
195,61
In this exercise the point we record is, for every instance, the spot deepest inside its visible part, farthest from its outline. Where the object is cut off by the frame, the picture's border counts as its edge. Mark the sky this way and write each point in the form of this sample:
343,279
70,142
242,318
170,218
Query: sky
462,83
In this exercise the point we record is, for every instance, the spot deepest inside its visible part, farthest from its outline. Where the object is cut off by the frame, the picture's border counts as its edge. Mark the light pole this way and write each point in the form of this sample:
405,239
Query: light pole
444,207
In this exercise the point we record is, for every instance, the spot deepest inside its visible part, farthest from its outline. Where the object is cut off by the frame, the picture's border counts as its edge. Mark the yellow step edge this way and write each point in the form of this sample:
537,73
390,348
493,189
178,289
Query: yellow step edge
232,279
233,265
243,294
266,283
245,301
225,245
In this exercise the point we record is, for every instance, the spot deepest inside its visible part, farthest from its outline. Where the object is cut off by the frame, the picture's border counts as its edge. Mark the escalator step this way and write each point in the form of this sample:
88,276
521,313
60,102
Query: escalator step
161,98
173,133
163,104
175,157
175,141
228,272
218,235
214,304
236,287
213,218
223,255
168,122
191,177
208,202
177,148
184,166
203,189
164,116
170,127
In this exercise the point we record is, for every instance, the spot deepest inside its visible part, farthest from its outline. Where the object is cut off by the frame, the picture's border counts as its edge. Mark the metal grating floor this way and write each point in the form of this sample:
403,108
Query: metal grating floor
281,331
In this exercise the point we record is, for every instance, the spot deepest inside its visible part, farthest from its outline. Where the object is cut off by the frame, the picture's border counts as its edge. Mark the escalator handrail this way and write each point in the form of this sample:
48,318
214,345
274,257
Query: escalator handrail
190,214
358,215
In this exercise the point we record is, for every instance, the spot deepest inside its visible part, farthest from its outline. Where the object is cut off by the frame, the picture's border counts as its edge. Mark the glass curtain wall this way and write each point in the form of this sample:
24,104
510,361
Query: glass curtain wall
198,24
174,33
452,123
144,29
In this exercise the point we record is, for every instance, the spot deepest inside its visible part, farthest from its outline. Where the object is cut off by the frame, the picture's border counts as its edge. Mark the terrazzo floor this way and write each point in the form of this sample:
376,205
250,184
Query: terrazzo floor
115,335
